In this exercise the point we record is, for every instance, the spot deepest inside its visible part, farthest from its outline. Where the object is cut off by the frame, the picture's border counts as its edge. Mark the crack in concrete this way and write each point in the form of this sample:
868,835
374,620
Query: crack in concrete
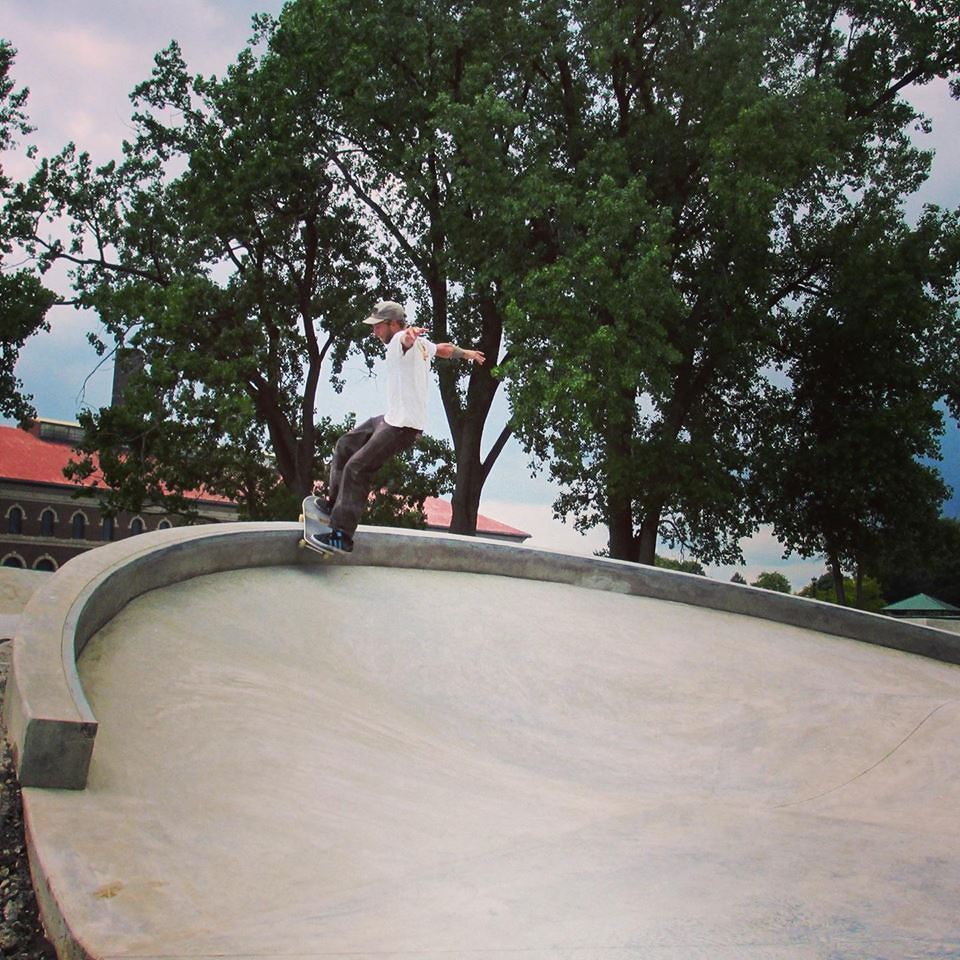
873,766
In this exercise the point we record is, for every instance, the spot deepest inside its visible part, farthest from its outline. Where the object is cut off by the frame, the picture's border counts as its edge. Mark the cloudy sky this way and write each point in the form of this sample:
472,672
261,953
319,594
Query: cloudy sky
81,60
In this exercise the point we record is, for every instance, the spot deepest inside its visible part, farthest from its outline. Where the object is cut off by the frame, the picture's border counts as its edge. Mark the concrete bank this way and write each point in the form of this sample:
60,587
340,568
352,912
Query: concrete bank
52,729
348,760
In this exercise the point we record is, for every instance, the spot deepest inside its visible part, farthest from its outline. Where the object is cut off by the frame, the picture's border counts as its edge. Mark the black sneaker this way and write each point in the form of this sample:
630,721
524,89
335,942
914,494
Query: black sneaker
324,509
337,540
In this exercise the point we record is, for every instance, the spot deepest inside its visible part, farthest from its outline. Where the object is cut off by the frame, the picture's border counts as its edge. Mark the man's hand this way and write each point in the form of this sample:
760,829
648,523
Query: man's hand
410,336
474,356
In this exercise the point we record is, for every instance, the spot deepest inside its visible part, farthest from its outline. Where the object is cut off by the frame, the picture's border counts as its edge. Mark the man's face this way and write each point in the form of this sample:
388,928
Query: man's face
385,330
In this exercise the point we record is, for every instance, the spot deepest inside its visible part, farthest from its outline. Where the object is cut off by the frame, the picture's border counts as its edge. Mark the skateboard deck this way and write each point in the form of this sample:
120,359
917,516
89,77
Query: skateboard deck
313,527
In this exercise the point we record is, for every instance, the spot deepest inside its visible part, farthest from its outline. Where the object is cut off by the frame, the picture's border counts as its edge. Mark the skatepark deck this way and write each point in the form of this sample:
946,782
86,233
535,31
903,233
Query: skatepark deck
353,760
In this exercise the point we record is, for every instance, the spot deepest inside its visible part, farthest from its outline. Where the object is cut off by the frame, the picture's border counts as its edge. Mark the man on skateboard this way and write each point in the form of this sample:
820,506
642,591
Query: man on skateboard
361,452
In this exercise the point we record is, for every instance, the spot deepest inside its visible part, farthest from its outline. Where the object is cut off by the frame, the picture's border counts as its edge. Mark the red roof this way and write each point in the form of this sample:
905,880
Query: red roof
440,513
24,456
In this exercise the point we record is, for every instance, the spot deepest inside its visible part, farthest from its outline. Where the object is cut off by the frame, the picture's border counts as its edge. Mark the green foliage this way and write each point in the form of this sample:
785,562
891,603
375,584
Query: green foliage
357,154
772,580
931,567
24,301
684,566
223,249
700,171
207,446
425,102
824,589
868,353
13,116
653,208
212,453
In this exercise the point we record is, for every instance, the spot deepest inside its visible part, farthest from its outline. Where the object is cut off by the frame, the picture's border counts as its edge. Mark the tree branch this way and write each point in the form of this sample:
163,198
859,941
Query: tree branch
59,254
380,212
491,458
922,70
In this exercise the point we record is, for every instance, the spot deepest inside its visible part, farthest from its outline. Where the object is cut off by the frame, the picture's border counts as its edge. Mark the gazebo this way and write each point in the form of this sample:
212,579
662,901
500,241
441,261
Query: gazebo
922,606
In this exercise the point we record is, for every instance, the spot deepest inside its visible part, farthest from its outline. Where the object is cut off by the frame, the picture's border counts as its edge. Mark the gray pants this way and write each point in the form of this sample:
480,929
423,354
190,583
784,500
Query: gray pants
357,456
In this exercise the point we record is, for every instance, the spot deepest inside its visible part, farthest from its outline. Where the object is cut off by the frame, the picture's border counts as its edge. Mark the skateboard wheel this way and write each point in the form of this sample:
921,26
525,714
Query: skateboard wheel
301,518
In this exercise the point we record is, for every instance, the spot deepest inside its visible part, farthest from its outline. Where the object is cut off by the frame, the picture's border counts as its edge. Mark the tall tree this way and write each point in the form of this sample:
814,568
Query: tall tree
423,104
708,161
935,569
871,350
24,301
772,580
223,250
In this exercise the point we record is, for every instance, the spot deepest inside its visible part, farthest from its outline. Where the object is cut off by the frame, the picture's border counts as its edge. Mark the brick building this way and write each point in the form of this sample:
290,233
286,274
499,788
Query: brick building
46,519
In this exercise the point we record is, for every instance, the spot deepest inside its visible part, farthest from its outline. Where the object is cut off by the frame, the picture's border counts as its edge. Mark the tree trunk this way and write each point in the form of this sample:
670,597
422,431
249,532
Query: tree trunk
647,541
837,572
469,479
467,421
466,496
623,544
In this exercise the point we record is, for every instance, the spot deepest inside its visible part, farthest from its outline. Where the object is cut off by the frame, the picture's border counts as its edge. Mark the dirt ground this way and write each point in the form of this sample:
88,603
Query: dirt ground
21,934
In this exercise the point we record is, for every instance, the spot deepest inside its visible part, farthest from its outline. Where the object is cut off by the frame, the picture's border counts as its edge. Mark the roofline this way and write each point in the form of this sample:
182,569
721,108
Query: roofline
74,488
59,423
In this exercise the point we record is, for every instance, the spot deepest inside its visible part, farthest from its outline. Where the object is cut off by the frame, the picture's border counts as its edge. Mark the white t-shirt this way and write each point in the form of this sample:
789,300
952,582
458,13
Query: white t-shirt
408,381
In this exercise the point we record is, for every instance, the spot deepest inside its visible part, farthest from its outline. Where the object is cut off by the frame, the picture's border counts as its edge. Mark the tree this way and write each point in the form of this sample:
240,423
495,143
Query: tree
868,354
707,163
423,107
772,580
222,248
684,566
823,588
24,301
931,567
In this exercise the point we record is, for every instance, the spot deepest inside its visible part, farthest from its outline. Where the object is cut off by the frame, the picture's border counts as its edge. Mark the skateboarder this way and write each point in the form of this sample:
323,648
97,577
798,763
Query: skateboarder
361,452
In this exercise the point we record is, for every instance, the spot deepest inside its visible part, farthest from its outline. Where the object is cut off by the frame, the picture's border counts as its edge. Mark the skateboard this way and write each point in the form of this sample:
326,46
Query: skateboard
313,527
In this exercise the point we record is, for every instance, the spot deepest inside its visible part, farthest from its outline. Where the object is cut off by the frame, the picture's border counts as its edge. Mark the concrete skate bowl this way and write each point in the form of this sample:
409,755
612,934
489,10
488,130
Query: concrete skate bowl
441,747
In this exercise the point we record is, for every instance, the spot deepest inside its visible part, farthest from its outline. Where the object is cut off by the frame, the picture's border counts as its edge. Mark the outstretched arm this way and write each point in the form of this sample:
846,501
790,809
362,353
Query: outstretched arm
450,351
446,351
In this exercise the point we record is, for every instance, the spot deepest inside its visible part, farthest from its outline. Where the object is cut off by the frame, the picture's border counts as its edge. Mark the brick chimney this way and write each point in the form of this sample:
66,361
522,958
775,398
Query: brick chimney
128,364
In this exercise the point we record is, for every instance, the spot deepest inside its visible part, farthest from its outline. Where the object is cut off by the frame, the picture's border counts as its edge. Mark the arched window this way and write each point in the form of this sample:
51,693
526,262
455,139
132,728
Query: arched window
136,526
46,564
15,520
13,560
164,525
107,529
79,527
48,523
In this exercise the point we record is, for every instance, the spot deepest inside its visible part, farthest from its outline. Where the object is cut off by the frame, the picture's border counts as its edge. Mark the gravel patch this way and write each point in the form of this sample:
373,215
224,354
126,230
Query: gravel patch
21,933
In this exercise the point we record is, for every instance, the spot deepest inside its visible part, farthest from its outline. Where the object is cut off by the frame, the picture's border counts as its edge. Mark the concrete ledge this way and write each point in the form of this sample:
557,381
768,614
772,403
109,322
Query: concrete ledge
941,623
49,724
52,729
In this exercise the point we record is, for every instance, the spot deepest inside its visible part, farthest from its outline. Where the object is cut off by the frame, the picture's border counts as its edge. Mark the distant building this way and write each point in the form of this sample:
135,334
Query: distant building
923,607
46,519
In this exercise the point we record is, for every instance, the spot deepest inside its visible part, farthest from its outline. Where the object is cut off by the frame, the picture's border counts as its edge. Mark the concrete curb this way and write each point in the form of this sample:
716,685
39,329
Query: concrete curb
52,729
